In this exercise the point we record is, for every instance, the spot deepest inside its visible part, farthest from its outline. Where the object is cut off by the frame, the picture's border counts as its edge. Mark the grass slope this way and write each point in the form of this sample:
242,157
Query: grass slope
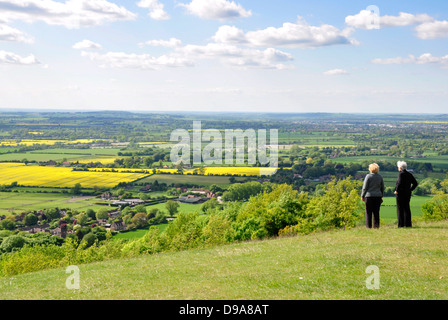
329,265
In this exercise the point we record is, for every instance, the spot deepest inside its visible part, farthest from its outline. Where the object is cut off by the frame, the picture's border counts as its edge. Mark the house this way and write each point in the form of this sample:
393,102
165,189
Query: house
106,196
59,232
118,226
119,203
114,214
210,195
134,202
200,191
102,222
38,228
191,199
146,188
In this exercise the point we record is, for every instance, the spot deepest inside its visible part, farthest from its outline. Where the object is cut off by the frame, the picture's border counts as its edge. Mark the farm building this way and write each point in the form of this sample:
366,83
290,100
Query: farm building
191,199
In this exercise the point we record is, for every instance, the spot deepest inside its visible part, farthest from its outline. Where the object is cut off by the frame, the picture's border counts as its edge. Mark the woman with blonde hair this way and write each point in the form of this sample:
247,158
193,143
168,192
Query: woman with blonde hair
372,195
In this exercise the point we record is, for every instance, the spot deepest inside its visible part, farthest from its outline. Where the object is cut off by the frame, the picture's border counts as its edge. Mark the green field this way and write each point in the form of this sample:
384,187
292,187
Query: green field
134,234
388,213
315,138
183,207
59,154
204,181
321,266
19,202
440,162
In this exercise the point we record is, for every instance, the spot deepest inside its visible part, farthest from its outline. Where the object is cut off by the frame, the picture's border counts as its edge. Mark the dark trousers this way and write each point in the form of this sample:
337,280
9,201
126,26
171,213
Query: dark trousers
404,211
373,205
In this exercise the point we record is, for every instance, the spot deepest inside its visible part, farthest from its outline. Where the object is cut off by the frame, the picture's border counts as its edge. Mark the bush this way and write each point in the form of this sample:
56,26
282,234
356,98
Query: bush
30,259
184,232
7,224
12,243
88,240
150,243
217,231
437,207
269,212
31,219
339,207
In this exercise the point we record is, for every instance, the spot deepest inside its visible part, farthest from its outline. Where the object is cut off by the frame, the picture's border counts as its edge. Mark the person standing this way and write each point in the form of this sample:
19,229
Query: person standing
372,195
406,183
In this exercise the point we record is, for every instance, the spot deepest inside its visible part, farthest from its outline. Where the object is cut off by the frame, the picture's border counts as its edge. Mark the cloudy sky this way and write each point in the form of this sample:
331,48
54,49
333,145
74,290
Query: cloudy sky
224,55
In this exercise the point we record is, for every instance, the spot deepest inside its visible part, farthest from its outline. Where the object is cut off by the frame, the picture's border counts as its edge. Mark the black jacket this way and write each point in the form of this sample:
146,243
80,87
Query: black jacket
406,183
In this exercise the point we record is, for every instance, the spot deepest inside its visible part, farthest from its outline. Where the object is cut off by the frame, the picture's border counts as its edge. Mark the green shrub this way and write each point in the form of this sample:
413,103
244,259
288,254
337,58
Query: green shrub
150,243
267,213
217,231
12,243
183,233
339,207
437,207
30,259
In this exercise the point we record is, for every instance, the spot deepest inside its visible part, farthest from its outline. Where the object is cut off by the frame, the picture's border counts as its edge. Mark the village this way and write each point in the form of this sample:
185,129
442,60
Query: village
62,222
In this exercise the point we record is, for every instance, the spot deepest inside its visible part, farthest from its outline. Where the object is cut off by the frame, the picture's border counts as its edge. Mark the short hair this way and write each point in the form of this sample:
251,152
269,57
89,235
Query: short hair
403,165
374,168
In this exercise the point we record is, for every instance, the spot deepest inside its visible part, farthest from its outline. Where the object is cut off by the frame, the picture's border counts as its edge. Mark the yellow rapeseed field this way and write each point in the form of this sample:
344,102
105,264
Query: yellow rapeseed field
30,142
122,170
64,177
95,160
248,171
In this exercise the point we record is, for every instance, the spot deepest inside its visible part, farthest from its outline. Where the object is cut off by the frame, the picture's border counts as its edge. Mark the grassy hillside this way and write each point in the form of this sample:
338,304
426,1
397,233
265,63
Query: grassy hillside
328,265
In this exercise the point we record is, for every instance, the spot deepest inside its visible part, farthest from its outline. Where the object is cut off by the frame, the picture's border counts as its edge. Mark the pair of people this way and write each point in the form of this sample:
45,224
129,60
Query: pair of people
373,191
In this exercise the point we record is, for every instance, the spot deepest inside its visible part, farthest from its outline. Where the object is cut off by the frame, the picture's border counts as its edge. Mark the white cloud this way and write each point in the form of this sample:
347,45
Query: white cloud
136,61
70,14
404,19
240,57
230,35
12,58
336,72
8,33
186,56
293,35
432,30
426,58
156,9
365,18
216,9
171,43
87,45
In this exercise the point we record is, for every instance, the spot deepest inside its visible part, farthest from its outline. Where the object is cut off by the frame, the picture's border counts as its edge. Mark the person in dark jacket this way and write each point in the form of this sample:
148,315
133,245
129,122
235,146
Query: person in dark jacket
406,183
372,195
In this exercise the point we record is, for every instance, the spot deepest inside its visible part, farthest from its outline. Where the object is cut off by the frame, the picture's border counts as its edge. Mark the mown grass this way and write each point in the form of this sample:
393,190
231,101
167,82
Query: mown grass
205,181
328,265
18,202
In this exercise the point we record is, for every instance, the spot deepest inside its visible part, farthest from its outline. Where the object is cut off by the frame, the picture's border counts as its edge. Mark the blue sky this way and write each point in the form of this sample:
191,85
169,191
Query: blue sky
223,55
